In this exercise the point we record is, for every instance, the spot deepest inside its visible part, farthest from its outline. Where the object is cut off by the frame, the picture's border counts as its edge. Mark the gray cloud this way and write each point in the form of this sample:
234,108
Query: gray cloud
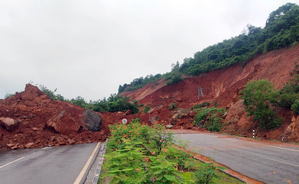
88,48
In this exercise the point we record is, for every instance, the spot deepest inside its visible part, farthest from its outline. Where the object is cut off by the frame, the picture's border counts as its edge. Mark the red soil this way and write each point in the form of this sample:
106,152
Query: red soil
37,115
38,124
223,86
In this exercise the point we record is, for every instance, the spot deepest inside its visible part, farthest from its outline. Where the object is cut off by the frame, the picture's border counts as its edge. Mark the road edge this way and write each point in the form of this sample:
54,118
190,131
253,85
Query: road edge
227,170
84,172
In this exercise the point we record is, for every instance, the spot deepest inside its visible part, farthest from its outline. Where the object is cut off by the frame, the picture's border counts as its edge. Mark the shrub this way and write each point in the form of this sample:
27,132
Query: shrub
132,159
257,96
8,95
146,109
171,106
204,104
213,123
175,77
295,107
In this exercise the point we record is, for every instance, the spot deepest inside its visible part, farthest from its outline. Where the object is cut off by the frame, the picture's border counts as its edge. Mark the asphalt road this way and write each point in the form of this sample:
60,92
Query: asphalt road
50,165
263,161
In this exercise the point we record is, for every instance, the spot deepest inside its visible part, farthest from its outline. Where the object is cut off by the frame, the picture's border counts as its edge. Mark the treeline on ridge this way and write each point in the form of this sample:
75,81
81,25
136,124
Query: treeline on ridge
114,103
281,30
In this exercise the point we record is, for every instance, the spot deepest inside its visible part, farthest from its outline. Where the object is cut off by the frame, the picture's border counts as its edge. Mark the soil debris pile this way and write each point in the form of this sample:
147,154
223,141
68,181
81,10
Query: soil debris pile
31,119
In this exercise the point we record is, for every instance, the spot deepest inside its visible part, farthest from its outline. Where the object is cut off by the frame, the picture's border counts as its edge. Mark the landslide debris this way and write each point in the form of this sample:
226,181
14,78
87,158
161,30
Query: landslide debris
221,88
31,119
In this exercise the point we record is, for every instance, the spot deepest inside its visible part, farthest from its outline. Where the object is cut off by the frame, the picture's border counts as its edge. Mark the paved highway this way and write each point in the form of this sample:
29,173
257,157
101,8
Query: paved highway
264,161
50,165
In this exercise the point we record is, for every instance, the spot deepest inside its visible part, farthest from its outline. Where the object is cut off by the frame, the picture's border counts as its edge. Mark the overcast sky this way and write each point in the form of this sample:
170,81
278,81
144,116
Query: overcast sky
88,48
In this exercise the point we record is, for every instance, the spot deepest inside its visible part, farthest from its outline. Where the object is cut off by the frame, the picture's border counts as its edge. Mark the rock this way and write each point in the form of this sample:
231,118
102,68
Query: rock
71,141
52,138
153,119
178,99
13,146
151,110
30,145
201,123
169,126
189,126
35,128
31,92
9,123
92,121
224,115
176,116
1,136
128,112
61,141
64,123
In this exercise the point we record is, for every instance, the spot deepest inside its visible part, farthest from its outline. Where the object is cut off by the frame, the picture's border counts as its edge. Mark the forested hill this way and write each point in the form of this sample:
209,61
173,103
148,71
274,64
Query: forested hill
281,30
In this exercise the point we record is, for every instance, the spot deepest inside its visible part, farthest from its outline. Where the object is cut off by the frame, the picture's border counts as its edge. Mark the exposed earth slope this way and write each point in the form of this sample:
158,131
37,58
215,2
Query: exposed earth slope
223,86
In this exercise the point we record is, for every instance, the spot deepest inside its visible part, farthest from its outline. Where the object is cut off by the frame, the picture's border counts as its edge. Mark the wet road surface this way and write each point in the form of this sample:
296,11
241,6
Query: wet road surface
263,161
50,165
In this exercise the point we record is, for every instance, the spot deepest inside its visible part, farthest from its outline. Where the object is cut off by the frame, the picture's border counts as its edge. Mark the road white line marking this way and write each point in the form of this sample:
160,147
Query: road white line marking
283,148
11,162
281,161
81,175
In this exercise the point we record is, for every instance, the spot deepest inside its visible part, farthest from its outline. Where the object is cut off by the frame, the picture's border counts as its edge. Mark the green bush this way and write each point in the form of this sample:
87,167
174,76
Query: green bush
213,123
295,107
146,109
257,96
175,77
204,104
171,106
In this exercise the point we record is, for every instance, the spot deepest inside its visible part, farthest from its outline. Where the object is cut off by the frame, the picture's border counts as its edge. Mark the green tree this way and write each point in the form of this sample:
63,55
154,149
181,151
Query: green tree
258,96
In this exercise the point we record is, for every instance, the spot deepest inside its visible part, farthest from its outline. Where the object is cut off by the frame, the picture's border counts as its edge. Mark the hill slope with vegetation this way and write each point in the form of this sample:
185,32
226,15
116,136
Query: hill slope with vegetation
281,30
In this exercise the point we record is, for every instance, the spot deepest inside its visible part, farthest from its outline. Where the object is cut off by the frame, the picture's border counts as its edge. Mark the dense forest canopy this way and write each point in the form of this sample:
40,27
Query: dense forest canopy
281,30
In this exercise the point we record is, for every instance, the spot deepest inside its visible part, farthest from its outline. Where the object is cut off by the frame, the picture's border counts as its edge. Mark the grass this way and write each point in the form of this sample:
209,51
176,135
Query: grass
225,179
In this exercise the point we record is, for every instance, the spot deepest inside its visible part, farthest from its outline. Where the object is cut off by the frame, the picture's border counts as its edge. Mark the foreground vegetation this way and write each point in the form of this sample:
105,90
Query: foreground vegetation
140,154
281,30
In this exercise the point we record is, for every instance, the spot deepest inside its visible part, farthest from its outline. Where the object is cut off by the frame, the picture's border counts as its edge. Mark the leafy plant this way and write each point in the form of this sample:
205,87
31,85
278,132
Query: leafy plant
257,96
146,109
160,137
204,104
171,106
213,117
295,107
174,77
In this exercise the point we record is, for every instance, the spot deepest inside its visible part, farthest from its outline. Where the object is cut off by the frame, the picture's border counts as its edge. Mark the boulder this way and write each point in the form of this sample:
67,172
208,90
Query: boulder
153,119
30,145
61,141
169,126
9,123
63,122
31,92
13,146
92,121
128,112
71,141
201,123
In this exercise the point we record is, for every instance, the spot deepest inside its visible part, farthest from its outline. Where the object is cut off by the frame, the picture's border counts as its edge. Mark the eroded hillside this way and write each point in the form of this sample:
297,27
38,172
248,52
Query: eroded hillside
223,87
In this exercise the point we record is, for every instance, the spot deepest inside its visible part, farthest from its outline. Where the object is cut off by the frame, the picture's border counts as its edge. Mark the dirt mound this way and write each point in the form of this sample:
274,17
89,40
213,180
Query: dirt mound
222,87
31,119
